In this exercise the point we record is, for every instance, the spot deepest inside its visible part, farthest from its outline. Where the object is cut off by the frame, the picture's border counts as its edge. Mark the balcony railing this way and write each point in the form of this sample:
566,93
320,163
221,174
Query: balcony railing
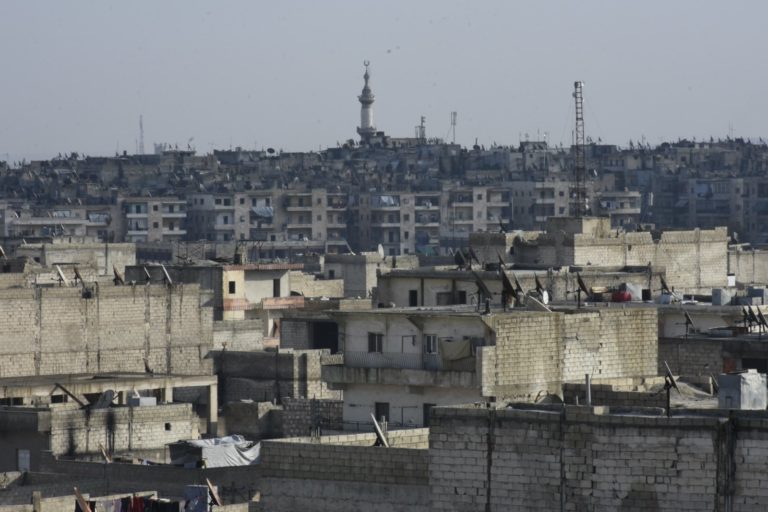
398,360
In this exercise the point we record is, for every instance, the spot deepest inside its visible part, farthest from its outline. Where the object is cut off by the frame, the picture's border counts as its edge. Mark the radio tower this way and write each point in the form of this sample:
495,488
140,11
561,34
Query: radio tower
141,134
580,157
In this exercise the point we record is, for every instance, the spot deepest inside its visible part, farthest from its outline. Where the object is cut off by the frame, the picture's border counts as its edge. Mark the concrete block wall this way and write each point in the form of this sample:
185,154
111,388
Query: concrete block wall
748,266
120,429
536,352
324,461
695,261
574,459
58,331
301,414
612,395
691,357
240,335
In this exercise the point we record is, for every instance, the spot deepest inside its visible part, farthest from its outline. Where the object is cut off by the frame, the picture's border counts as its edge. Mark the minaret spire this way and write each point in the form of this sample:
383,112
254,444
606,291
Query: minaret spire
367,128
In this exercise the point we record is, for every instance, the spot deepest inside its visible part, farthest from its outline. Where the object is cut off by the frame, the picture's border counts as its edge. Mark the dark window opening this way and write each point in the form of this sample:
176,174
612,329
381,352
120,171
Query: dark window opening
232,287
382,411
275,287
413,298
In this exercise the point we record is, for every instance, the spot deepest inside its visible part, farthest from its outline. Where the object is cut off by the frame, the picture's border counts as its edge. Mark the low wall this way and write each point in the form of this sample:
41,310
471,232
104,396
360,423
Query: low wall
579,458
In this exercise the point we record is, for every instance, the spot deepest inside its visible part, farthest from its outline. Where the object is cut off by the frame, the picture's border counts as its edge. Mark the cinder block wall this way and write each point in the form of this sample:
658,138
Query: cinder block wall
120,429
537,460
536,352
58,331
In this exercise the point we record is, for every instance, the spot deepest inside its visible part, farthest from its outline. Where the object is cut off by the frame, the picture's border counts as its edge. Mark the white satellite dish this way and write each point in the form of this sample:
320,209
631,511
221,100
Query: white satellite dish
62,279
380,250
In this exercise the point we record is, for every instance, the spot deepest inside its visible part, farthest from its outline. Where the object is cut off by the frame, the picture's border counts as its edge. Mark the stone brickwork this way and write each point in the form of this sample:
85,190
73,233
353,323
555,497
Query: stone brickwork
120,429
573,459
239,335
251,375
62,331
300,415
308,286
617,394
536,352
691,356
748,266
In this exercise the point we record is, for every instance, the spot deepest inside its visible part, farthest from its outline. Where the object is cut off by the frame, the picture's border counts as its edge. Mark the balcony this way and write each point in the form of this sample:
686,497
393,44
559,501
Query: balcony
399,369
134,215
136,232
174,232
174,215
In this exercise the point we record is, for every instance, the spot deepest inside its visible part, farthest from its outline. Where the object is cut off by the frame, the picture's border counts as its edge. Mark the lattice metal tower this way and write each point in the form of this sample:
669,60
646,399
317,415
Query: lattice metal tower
580,156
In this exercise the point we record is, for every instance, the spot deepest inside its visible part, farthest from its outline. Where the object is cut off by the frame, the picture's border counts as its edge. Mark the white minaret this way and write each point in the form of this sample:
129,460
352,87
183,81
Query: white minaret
366,129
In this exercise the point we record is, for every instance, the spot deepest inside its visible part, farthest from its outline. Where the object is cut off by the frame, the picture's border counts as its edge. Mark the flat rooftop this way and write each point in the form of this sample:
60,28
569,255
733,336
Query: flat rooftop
88,383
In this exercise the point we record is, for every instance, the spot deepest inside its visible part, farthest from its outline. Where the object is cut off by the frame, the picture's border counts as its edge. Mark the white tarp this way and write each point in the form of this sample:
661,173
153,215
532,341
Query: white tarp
218,452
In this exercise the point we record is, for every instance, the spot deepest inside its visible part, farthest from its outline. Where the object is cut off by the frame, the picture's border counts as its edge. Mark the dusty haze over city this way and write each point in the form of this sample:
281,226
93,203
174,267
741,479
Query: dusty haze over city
77,75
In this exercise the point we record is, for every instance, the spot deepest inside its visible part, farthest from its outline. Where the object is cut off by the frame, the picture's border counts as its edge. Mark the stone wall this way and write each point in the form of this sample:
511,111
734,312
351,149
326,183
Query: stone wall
344,474
251,375
748,266
239,335
63,331
309,286
254,420
614,394
692,357
300,415
572,459
120,429
536,352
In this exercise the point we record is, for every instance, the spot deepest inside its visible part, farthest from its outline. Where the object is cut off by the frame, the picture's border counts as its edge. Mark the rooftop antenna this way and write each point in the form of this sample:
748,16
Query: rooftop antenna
483,292
580,157
78,276
141,134
688,323
669,383
453,127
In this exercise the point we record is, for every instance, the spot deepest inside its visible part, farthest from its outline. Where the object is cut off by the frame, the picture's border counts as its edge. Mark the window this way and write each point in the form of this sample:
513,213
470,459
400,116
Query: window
413,298
319,217
275,287
155,225
154,207
331,274
479,197
381,411
406,217
430,344
375,342
225,219
218,200
406,234
232,287
242,200
227,202
462,297
319,200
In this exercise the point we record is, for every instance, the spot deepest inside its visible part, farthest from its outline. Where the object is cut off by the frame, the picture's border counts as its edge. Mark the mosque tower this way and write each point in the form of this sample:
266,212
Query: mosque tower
366,129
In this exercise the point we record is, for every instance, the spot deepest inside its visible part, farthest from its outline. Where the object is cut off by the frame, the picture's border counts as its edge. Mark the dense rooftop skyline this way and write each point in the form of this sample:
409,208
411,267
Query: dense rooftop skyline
288,75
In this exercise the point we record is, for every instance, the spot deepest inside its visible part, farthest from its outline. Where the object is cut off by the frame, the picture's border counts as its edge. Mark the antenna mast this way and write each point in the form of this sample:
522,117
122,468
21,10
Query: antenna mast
141,134
580,158
453,126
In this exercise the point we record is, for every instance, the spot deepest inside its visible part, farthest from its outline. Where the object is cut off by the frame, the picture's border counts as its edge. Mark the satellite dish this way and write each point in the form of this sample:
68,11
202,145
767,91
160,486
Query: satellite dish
482,288
669,383
214,494
2,253
147,275
78,276
502,265
166,276
582,285
380,250
62,279
119,278
458,258
664,287
539,286
271,151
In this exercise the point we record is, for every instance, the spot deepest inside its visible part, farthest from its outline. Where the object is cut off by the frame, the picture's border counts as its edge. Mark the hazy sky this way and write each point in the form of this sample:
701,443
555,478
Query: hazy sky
76,75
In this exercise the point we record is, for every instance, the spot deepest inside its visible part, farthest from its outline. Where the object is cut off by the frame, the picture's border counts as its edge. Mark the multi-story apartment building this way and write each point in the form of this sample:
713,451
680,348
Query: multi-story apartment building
623,207
155,219
271,215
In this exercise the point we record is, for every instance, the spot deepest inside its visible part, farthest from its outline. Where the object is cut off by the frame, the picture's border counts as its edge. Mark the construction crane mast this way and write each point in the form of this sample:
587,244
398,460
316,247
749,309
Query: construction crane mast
580,156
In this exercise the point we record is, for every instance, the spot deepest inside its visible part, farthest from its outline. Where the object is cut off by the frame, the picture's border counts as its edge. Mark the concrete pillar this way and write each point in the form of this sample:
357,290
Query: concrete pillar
213,409
166,394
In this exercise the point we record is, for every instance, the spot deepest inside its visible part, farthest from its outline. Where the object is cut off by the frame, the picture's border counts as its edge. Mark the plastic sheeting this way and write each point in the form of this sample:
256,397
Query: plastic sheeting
219,452
454,350
265,212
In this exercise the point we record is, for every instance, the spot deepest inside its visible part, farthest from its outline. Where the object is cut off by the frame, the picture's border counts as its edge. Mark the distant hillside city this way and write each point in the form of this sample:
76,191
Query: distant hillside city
412,195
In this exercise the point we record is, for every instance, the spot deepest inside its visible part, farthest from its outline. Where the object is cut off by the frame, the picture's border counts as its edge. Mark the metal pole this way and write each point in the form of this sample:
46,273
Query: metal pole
588,382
